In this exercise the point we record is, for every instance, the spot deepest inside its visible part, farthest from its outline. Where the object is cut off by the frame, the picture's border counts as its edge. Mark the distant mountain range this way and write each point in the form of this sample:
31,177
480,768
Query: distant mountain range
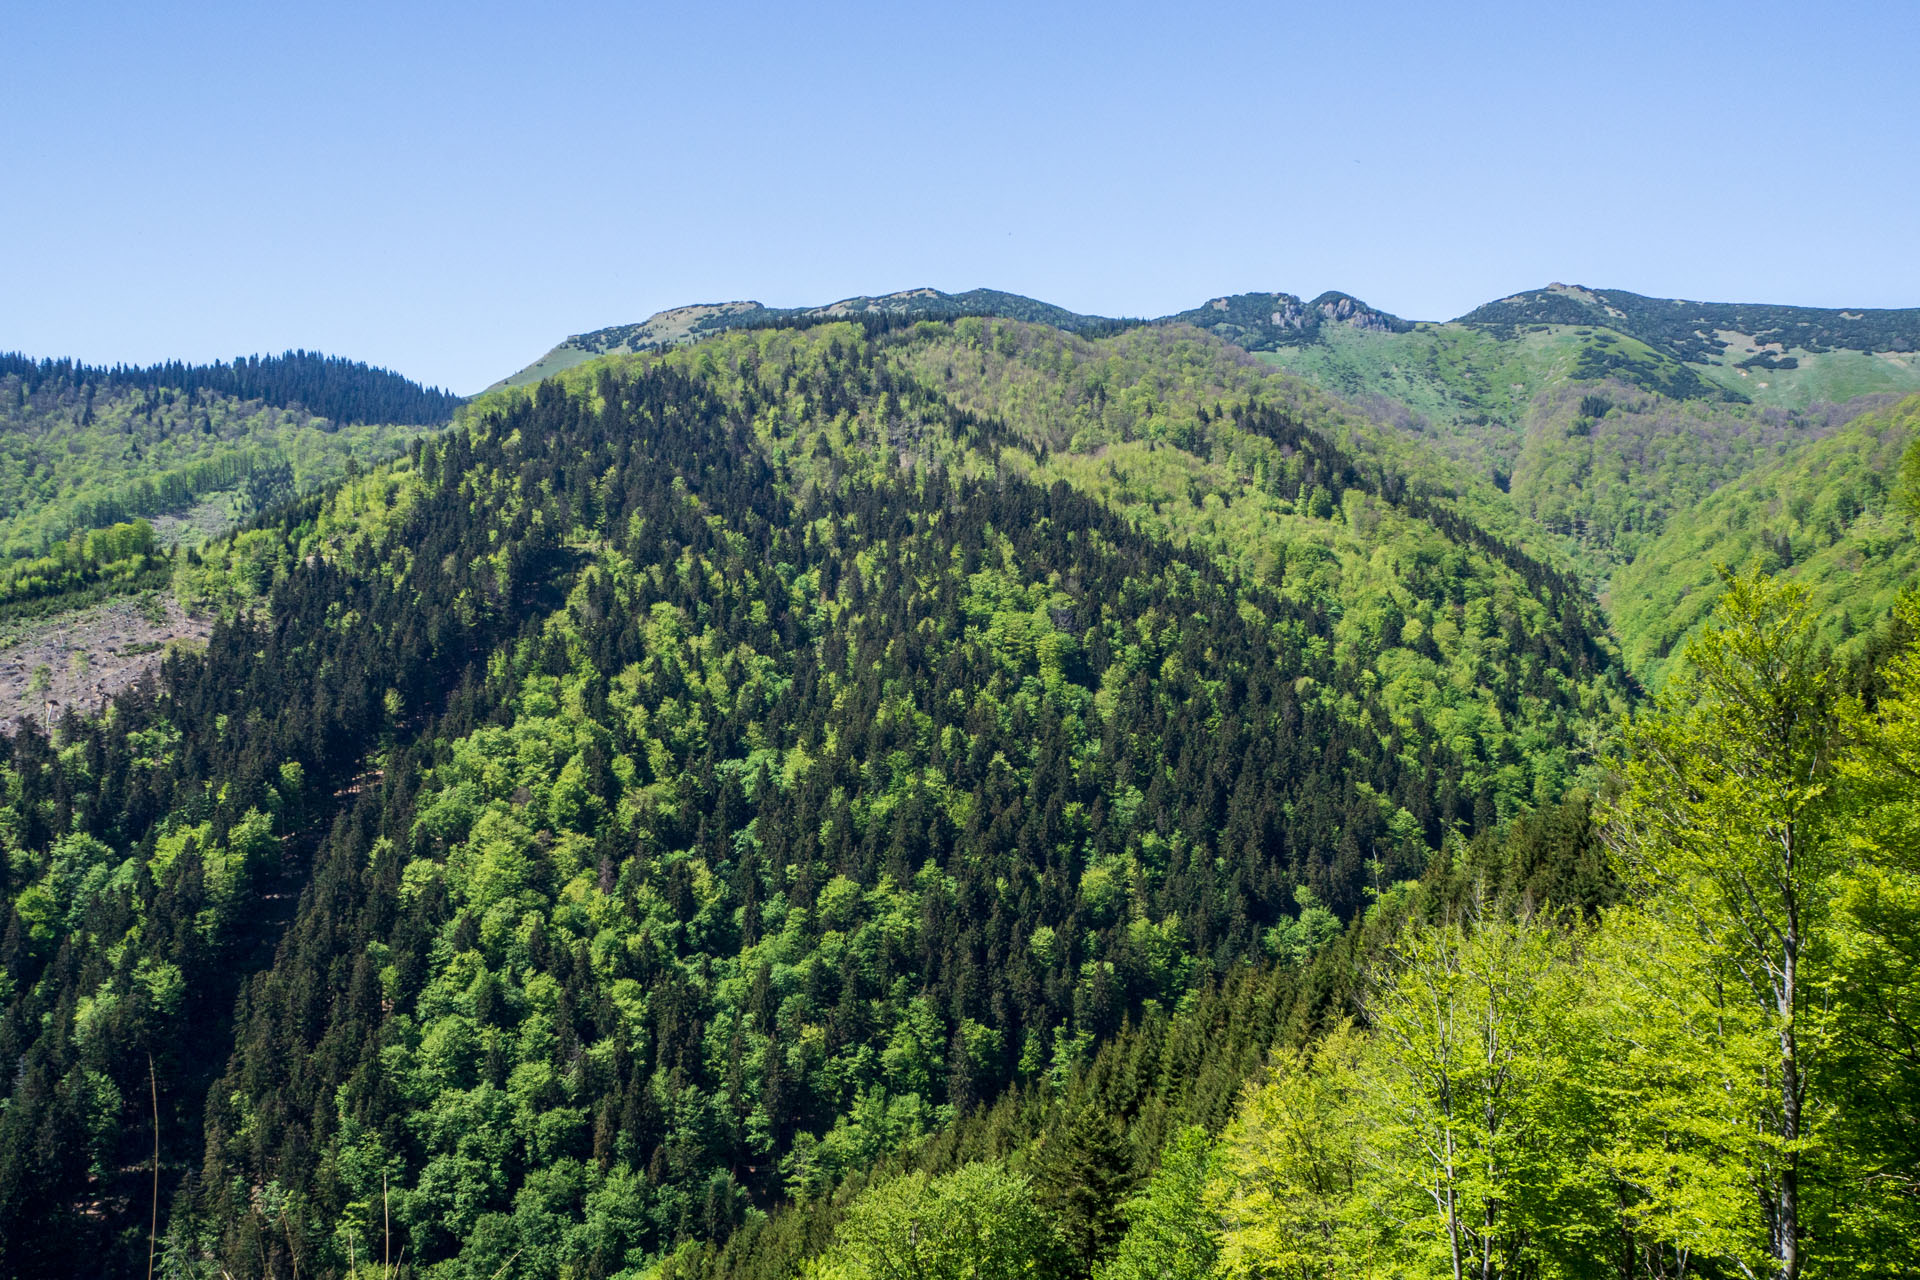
1728,351
1257,321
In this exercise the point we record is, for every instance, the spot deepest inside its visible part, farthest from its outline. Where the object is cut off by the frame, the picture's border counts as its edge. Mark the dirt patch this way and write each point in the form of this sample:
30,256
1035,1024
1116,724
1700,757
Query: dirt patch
1746,344
676,324
86,657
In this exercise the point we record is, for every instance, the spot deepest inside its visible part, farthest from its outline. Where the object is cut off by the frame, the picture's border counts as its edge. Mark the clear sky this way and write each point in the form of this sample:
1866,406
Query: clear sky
450,189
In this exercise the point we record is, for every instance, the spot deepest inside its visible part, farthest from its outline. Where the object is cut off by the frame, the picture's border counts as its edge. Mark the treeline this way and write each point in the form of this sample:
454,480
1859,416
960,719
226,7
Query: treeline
343,391
118,555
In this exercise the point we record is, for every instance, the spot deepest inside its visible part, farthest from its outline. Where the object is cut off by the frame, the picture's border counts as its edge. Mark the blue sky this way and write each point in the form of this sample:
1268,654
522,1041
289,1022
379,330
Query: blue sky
448,190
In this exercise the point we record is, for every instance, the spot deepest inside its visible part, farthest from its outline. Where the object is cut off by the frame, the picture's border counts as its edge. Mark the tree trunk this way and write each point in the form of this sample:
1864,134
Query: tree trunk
1788,1227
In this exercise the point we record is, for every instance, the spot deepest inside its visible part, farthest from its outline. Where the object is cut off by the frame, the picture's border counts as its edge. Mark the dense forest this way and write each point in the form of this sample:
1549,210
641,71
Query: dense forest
1609,464
82,447
962,798
1705,1064
344,391
1833,515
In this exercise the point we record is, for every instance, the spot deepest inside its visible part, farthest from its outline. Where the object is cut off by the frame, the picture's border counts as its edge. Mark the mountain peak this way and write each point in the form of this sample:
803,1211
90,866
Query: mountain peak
1261,321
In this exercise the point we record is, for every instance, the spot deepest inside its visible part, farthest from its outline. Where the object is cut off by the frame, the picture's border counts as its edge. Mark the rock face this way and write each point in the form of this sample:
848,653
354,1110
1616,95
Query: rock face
1263,321
1340,308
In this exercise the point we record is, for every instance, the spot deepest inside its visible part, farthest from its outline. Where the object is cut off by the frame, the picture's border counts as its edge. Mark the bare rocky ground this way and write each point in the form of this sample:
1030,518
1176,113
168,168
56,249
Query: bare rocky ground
88,656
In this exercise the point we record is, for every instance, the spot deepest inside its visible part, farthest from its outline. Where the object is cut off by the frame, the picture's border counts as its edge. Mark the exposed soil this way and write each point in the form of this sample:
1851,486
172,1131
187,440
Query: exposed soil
89,656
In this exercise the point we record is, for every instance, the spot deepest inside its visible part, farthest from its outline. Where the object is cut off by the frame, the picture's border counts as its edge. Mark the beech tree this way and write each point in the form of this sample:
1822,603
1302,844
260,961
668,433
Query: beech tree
1727,823
977,1223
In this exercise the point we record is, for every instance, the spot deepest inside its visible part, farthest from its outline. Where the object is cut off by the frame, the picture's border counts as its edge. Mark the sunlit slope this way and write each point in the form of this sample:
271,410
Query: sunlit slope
1825,515
713,770
83,447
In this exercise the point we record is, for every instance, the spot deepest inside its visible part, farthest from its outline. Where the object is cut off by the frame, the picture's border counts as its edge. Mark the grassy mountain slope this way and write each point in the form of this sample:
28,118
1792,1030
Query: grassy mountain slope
1688,329
1789,356
1468,389
716,769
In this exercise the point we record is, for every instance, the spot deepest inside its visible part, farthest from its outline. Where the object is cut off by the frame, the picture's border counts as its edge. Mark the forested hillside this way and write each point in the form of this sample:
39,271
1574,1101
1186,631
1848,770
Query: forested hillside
1713,1075
687,785
1668,1032
1610,465
1835,516
84,447
1599,413
967,797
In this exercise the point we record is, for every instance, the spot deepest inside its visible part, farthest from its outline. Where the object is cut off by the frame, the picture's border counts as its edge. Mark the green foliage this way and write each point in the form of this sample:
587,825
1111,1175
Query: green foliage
1084,1172
1613,480
976,1223
82,449
1170,1232
115,557
1380,560
1823,516
1713,1079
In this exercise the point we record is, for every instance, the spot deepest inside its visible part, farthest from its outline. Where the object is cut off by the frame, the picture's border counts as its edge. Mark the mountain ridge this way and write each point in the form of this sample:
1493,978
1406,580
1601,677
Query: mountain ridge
1763,352
1268,317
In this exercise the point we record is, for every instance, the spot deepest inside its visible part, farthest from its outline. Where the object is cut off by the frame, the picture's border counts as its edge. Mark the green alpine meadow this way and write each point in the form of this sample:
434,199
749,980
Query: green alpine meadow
947,787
